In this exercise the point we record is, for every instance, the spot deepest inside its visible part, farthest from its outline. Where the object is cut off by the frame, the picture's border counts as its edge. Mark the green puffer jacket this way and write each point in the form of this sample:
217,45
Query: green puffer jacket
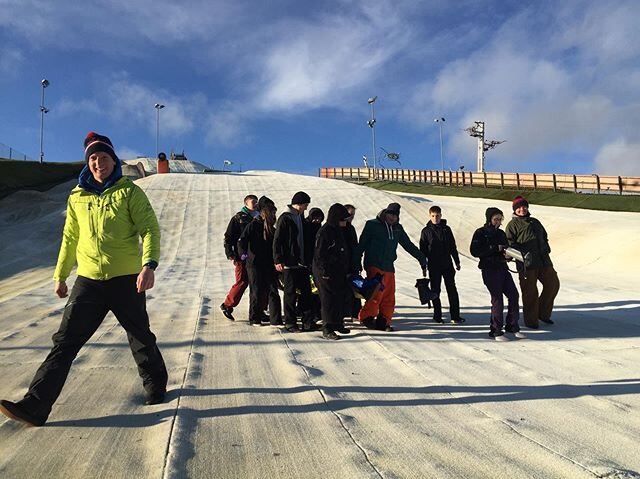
527,235
103,233
379,242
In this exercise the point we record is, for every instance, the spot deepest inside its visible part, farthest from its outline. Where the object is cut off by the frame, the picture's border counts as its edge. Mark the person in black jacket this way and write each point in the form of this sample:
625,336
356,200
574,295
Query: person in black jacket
236,225
488,244
331,264
288,257
439,246
353,305
312,224
256,244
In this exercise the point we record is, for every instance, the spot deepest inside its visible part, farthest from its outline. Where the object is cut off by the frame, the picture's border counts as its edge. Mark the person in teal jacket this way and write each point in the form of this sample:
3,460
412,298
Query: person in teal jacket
107,216
378,242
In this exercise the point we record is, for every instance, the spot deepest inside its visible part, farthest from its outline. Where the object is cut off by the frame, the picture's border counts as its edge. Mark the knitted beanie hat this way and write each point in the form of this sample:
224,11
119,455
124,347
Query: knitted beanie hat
95,142
519,201
300,198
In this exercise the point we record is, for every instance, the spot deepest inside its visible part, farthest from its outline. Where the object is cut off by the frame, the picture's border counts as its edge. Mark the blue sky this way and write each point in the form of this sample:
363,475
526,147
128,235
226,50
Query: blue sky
284,84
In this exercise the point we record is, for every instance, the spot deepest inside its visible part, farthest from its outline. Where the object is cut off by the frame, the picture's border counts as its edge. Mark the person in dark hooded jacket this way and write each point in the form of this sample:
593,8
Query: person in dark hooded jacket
439,246
353,305
288,257
331,265
312,223
488,244
379,242
256,244
526,234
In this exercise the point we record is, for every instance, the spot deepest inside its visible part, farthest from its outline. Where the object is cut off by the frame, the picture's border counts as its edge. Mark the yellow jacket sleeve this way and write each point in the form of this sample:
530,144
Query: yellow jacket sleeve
146,223
70,235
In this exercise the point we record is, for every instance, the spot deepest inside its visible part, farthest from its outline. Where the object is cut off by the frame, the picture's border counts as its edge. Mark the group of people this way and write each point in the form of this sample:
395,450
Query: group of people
108,216
299,254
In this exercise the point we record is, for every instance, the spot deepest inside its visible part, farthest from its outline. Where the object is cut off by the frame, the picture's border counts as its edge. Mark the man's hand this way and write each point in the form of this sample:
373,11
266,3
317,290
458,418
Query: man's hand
279,267
458,266
145,279
61,289
424,271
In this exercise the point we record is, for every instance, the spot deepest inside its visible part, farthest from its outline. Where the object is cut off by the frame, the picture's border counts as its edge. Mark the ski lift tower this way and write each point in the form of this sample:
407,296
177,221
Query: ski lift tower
477,131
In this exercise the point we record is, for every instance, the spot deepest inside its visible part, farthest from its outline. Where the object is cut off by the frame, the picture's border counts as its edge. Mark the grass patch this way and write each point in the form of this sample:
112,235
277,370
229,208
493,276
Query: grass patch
32,175
540,197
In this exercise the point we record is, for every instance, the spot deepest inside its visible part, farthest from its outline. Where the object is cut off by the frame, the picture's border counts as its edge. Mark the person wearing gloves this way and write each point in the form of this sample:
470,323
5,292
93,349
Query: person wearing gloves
526,234
488,244
107,215
236,225
439,246
378,242
256,246
330,269
288,257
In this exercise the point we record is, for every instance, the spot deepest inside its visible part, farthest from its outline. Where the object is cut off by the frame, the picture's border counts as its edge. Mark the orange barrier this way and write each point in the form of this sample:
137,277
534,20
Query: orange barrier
531,181
163,166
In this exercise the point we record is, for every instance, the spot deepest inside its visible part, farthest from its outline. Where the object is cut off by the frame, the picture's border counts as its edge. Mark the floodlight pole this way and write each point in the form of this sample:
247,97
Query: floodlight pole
158,107
372,125
440,121
43,111
480,131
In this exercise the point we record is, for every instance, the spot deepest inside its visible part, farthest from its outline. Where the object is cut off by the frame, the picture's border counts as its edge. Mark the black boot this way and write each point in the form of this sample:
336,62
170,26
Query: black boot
19,413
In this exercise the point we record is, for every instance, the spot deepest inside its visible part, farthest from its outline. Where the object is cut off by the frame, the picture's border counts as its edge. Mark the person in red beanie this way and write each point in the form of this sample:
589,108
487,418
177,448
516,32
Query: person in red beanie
107,216
526,234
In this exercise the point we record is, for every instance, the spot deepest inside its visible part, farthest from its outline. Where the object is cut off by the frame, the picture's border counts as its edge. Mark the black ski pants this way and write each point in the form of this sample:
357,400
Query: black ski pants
292,279
88,305
263,291
332,300
437,275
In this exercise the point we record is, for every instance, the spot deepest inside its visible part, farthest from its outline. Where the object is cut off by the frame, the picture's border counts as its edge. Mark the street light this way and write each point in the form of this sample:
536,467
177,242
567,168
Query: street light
43,110
440,121
158,107
372,125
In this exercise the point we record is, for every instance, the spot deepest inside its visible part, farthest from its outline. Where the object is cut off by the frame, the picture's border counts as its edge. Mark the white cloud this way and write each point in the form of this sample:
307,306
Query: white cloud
226,126
11,60
126,153
619,158
317,63
134,102
539,91
68,106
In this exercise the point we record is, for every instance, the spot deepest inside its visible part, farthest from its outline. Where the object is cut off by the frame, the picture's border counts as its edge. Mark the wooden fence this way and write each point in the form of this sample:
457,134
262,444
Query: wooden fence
532,181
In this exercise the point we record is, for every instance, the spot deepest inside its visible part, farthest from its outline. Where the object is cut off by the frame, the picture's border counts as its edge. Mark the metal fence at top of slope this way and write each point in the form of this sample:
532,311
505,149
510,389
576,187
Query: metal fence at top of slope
533,181
10,153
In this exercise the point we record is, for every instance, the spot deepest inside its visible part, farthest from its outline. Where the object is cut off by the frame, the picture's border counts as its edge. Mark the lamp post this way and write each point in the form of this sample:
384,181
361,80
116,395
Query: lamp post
372,125
440,121
158,107
43,111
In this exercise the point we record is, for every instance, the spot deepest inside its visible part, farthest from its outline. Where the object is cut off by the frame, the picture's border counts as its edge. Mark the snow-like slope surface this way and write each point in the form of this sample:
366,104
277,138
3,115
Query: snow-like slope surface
427,401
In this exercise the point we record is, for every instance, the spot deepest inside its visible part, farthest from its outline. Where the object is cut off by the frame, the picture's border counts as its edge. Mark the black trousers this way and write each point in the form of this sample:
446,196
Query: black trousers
263,291
332,300
437,275
89,303
296,279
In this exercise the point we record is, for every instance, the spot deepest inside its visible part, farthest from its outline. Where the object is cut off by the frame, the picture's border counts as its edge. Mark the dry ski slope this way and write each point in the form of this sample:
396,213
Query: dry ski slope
427,401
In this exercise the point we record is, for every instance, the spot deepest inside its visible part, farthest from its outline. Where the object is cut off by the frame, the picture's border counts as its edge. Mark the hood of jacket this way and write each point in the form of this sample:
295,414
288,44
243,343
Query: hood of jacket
491,212
337,213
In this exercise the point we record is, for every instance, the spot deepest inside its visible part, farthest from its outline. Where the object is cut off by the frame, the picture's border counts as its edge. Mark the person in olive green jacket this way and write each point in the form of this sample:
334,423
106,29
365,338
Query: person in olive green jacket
378,242
107,215
526,234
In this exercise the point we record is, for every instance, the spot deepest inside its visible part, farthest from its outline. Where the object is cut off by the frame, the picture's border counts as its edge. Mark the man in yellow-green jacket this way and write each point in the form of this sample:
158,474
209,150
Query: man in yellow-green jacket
107,215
